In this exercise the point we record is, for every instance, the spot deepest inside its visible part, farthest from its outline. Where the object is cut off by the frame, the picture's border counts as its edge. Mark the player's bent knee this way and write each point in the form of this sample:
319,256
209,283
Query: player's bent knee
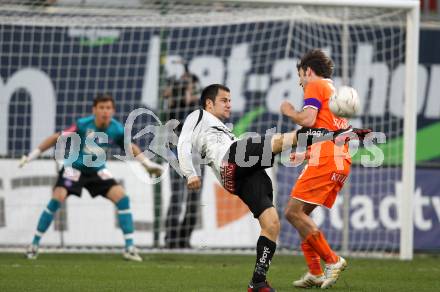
276,227
287,213
272,227
291,215
59,194
116,193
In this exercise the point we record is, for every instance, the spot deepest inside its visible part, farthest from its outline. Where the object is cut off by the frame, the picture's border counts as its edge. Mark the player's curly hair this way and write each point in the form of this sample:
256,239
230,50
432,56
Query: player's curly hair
318,61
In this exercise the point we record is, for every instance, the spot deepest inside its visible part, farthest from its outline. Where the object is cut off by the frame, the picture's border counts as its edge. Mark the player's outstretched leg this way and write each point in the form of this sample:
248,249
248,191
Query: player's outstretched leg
266,246
126,223
308,136
44,222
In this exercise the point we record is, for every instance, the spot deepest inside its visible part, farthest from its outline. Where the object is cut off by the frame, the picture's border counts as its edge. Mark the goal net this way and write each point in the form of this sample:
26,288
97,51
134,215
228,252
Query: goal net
158,55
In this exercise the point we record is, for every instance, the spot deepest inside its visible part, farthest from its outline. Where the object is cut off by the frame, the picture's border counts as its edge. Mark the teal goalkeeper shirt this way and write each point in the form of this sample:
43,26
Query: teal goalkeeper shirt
94,148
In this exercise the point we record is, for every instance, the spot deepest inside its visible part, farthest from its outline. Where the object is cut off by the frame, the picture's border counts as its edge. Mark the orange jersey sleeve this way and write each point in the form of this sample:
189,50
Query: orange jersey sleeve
317,94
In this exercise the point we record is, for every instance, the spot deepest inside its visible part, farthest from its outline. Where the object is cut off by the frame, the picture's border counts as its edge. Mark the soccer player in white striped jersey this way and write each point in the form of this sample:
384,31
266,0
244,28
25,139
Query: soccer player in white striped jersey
205,136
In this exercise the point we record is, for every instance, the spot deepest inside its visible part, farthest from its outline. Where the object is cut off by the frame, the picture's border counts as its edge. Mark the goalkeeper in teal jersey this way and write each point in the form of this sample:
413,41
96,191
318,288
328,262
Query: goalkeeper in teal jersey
88,171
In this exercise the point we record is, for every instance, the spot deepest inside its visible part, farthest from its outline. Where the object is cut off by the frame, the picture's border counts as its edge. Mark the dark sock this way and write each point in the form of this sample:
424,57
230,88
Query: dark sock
265,251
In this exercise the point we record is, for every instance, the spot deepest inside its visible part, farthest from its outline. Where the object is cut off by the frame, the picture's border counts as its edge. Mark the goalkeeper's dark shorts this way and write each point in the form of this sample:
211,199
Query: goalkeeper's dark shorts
242,172
97,183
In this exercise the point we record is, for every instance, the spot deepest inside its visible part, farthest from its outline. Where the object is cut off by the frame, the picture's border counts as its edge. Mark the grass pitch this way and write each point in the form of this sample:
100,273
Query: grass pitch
171,272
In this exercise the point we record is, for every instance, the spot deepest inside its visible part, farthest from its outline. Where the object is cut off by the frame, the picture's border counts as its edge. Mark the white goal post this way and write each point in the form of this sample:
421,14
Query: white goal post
56,58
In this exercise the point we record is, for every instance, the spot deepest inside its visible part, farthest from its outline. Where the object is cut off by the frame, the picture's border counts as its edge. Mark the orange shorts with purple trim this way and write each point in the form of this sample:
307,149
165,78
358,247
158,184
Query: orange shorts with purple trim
319,184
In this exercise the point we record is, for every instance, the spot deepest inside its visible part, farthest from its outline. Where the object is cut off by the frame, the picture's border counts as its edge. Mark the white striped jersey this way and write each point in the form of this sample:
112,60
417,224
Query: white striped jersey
203,135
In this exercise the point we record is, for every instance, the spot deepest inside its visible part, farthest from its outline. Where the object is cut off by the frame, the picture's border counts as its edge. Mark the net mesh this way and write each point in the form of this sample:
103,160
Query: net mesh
56,58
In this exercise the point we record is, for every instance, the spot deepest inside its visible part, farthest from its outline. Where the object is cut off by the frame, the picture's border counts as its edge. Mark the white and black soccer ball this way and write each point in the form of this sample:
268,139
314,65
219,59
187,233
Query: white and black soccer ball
345,103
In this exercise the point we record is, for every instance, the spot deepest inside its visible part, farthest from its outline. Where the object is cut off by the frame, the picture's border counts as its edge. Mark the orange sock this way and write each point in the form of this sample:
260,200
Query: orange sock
317,241
312,259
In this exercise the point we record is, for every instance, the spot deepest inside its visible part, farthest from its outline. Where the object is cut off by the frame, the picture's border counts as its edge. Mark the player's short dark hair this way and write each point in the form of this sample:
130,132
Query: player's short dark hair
210,92
103,97
318,61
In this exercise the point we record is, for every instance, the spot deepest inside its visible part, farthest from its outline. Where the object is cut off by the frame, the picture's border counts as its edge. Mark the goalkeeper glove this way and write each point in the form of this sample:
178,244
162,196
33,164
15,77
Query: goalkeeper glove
25,159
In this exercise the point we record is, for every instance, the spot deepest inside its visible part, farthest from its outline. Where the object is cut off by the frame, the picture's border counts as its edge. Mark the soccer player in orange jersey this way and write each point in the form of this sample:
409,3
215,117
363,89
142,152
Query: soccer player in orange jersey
325,173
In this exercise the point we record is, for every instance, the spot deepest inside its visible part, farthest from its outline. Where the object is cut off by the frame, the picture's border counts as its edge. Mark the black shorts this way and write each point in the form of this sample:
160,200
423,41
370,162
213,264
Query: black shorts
242,173
73,180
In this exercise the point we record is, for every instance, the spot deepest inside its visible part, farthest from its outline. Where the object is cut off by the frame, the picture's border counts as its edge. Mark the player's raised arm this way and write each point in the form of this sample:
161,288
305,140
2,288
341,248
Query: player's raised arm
305,118
184,150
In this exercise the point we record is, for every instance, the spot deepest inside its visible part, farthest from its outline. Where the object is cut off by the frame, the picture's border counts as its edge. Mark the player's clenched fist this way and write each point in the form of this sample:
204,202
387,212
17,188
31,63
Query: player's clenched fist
287,108
194,183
